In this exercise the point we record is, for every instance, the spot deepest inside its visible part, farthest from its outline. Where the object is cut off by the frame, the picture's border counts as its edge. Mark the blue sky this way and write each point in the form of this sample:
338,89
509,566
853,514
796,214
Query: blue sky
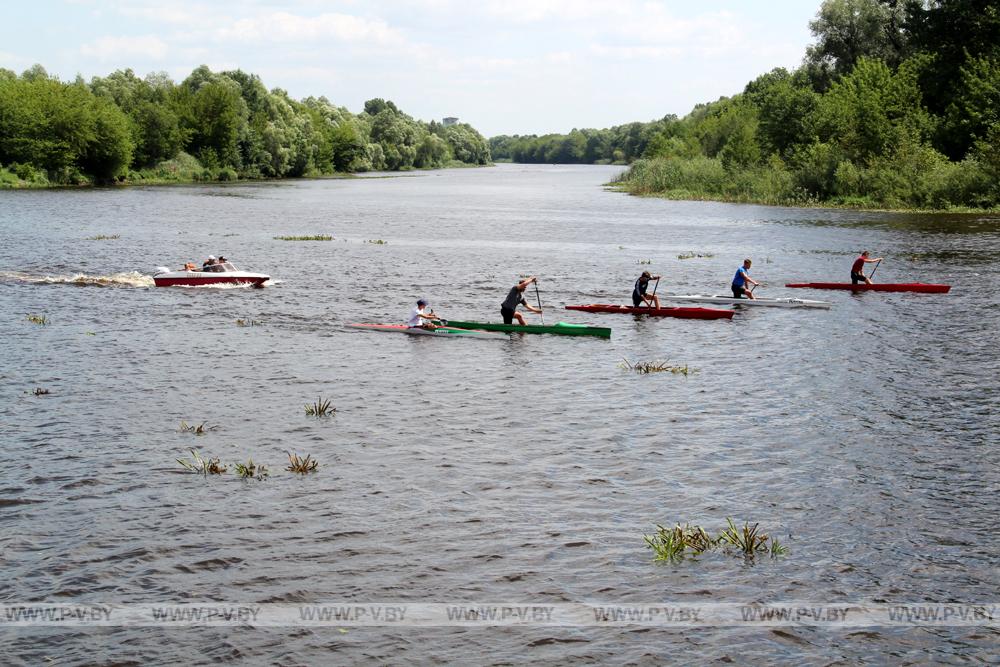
506,66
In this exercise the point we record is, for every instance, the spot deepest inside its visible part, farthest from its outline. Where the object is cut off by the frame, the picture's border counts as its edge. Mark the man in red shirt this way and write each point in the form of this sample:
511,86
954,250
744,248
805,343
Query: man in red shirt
858,269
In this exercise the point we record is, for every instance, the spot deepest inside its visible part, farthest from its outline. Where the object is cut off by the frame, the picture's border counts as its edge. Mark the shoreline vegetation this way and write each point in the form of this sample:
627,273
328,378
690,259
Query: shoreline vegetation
895,107
211,127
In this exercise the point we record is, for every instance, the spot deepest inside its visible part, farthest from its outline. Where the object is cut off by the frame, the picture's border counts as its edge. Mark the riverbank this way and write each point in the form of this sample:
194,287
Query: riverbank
939,189
183,170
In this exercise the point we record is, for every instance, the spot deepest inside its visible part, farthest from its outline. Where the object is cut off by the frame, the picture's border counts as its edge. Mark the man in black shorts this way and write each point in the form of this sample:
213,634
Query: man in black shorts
508,309
639,296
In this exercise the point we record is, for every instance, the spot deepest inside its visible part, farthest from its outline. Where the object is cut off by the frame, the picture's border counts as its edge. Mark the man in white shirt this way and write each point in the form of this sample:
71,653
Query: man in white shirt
421,317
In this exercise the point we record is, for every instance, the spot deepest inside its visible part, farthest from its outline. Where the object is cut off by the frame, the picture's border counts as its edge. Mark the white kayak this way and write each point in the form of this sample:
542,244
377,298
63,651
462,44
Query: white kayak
759,301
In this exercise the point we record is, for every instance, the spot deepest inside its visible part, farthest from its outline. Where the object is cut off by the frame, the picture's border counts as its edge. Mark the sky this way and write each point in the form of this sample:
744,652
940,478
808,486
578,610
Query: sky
505,66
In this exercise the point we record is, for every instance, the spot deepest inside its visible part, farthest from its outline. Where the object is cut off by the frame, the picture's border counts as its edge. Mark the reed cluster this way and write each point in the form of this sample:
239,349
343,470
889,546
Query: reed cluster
673,544
321,408
202,465
301,465
647,367
197,429
314,237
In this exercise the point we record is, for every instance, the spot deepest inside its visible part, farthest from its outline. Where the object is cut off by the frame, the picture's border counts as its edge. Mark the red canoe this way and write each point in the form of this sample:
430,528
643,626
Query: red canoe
878,287
688,313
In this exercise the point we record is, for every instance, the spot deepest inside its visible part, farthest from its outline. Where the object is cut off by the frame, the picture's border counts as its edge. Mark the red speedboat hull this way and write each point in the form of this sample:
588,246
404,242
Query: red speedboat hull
926,288
219,279
686,313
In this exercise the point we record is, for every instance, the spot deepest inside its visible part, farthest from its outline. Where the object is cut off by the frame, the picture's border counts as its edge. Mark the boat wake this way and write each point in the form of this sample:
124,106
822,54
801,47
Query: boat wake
128,279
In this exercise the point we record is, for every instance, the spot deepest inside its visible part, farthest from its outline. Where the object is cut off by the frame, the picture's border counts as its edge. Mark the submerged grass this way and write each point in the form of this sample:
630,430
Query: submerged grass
674,544
749,541
104,237
251,470
647,367
248,322
323,407
377,242
201,465
300,465
692,255
197,429
315,237
39,319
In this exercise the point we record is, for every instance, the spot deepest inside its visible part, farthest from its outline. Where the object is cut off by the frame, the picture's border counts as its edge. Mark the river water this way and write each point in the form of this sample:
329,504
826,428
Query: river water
467,471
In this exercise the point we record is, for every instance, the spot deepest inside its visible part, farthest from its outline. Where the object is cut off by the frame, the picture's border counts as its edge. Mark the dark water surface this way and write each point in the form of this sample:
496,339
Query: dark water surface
864,437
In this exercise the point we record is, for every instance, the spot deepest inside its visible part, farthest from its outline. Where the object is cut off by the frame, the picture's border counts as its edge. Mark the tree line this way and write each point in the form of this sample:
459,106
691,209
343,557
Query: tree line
212,125
896,104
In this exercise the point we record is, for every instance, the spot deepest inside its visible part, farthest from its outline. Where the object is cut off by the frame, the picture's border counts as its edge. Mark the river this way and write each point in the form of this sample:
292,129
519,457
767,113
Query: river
524,471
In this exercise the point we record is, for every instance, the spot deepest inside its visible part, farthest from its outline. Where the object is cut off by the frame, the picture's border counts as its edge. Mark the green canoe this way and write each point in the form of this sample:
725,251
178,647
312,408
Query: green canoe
561,328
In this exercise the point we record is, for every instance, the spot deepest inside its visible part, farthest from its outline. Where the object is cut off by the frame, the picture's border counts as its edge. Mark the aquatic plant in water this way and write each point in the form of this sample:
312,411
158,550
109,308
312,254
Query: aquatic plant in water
315,237
104,237
300,465
646,367
40,392
670,544
199,429
748,541
692,255
645,261
377,242
201,465
673,544
321,408
38,319
251,470
247,322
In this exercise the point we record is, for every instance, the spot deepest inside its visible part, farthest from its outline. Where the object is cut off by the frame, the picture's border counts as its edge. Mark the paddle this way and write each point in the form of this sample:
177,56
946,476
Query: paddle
874,270
539,299
656,285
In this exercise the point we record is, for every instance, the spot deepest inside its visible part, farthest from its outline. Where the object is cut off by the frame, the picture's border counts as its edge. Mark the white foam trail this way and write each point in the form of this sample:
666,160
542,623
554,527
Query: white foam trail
127,279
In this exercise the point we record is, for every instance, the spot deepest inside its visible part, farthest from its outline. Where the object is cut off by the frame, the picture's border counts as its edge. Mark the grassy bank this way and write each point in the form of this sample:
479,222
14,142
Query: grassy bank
183,169
897,184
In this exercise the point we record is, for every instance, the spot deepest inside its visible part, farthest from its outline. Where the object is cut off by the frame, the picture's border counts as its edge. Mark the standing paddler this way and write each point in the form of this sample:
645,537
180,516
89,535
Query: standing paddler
508,309
639,295
858,269
741,279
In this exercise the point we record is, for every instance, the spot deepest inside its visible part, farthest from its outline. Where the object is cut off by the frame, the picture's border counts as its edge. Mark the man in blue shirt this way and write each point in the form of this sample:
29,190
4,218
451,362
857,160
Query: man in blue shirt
741,279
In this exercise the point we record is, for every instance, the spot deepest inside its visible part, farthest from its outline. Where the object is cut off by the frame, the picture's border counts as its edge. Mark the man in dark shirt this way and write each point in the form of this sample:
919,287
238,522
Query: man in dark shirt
508,309
639,296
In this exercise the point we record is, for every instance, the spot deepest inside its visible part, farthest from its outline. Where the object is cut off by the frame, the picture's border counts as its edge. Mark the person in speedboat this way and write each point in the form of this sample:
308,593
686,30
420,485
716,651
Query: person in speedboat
421,318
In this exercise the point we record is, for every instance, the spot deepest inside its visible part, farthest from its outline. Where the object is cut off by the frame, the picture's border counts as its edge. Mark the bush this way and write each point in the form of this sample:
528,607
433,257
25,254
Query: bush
227,174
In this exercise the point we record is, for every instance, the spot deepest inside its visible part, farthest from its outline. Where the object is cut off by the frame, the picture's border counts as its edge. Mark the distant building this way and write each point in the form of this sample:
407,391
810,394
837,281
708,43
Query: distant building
449,121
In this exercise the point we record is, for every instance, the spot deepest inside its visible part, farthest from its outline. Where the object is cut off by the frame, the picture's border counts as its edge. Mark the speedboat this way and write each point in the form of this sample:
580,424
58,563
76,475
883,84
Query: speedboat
210,275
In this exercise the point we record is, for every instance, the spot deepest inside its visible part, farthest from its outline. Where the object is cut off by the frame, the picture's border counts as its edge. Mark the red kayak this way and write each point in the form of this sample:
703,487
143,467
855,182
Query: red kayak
688,313
878,287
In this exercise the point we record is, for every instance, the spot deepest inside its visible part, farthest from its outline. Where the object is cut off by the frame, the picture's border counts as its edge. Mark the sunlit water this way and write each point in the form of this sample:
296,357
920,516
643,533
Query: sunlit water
864,437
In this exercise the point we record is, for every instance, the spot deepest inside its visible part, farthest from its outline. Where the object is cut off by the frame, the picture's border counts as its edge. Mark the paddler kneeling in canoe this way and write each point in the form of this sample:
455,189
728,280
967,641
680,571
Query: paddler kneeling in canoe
508,309
421,318
741,279
639,295
858,269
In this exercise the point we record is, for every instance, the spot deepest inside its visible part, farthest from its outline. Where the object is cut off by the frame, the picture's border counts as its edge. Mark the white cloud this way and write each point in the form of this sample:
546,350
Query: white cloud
286,27
108,48
532,11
